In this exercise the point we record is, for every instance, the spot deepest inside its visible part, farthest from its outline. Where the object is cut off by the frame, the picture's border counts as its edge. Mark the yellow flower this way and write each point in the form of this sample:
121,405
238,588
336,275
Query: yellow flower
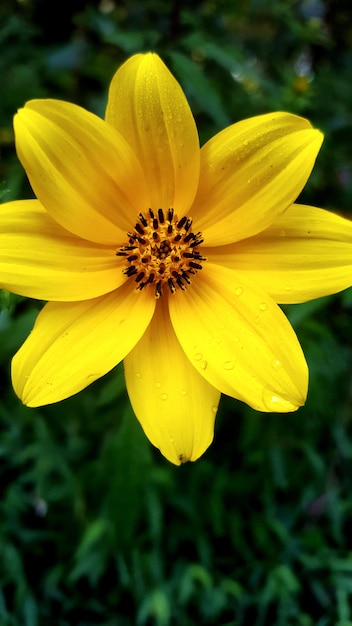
169,257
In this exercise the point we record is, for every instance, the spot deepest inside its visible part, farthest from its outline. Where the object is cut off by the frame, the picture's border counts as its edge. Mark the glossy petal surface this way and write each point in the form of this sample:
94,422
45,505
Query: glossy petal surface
306,254
40,259
240,341
175,405
250,173
148,107
73,344
81,170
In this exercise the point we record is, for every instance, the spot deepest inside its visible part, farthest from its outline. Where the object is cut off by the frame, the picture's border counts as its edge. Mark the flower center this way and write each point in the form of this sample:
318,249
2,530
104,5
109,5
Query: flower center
162,251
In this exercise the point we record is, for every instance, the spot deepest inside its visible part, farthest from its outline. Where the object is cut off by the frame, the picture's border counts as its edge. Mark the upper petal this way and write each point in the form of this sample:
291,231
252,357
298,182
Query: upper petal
240,341
306,254
73,344
40,259
81,170
174,403
148,107
250,173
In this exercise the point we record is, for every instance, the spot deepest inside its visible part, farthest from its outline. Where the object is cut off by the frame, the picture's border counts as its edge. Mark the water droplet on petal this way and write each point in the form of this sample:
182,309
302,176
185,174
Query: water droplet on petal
229,365
263,306
138,375
158,384
246,142
214,408
184,392
276,363
204,365
274,403
198,356
238,291
163,396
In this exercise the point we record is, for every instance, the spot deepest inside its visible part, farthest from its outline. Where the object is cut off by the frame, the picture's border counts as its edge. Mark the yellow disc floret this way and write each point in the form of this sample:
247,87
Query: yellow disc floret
162,250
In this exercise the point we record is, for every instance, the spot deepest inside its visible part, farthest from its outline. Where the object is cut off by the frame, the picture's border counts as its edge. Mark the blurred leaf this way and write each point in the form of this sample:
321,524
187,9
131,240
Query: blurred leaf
198,87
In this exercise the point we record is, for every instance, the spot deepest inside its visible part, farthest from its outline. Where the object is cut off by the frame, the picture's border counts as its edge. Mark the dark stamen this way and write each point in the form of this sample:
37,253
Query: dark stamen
186,277
139,229
171,284
195,243
197,266
142,219
139,277
130,271
182,221
158,289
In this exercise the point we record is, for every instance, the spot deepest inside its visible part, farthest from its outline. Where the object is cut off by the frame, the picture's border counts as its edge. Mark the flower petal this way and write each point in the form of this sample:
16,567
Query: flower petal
306,254
148,107
39,259
250,173
240,341
174,404
81,170
73,344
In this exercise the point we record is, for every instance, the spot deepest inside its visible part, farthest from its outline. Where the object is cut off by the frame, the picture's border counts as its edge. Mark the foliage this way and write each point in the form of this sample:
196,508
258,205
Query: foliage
96,528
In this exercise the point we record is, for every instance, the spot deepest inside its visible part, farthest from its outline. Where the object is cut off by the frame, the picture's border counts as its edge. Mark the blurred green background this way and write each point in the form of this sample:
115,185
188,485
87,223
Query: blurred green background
96,527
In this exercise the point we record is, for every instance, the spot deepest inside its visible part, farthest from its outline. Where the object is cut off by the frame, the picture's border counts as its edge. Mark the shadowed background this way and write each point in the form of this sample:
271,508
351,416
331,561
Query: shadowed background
96,527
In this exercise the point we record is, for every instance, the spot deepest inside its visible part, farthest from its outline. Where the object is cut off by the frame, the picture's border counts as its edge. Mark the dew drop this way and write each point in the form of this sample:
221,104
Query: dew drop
229,365
158,384
198,356
238,291
276,363
245,142
204,365
214,408
274,403
163,396
263,306
138,375
184,392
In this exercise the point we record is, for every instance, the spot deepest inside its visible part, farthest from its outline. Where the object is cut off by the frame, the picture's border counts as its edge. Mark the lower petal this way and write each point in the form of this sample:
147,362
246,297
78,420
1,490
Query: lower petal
174,403
74,344
240,341
306,254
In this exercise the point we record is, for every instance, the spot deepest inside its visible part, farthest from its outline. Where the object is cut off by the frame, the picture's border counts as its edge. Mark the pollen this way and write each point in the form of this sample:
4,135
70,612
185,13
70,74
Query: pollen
162,252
